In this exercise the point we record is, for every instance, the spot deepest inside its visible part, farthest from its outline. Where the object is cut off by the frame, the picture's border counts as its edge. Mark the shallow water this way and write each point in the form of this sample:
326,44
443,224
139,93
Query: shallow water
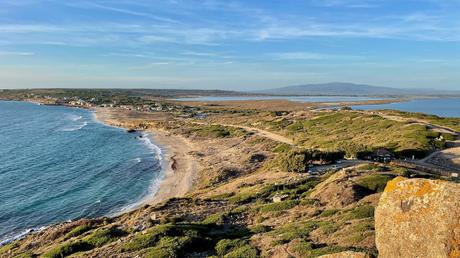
59,164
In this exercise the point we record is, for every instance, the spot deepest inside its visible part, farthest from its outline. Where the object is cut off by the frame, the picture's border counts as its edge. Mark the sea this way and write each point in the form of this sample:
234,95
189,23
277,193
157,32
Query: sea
60,164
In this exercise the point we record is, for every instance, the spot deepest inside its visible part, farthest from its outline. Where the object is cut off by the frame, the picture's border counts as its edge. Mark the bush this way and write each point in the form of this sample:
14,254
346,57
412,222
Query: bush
294,230
300,159
68,249
96,239
170,247
104,236
260,229
235,248
279,206
150,238
78,231
361,212
375,183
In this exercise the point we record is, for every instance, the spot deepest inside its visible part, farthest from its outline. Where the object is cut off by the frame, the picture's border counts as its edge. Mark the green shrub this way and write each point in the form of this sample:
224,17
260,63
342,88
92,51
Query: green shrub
68,249
361,212
257,229
217,218
279,206
150,238
328,213
375,183
245,251
299,160
96,239
78,231
302,248
294,230
170,247
104,236
281,148
235,248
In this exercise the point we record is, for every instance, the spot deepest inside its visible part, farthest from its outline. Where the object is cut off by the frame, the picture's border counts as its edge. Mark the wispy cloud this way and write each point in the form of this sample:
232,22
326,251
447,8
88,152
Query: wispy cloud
14,53
310,56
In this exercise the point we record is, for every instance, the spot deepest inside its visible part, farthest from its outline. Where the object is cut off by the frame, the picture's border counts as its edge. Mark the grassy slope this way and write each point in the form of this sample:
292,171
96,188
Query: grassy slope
242,220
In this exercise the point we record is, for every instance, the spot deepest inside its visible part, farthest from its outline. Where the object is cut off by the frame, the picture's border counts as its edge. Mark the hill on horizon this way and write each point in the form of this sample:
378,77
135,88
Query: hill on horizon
343,88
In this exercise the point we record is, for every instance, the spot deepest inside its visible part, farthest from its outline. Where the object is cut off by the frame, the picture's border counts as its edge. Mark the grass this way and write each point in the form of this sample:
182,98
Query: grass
150,238
235,248
306,249
170,247
96,239
217,131
278,206
328,213
360,212
294,230
374,182
78,230
333,130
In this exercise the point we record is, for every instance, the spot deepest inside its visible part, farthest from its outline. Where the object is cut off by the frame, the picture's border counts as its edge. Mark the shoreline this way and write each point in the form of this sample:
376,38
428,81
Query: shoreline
178,168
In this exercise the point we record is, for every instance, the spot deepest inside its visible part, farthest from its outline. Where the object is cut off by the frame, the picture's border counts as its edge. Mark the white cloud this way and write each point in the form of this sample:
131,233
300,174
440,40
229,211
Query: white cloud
13,53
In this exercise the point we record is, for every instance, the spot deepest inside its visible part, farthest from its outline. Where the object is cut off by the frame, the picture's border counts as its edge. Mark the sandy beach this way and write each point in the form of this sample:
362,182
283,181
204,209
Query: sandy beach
179,168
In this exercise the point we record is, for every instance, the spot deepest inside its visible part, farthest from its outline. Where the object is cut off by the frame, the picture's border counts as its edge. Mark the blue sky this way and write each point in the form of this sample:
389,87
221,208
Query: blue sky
233,45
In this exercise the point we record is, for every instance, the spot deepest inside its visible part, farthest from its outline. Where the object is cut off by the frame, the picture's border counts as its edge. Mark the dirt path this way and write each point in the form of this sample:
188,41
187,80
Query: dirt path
257,131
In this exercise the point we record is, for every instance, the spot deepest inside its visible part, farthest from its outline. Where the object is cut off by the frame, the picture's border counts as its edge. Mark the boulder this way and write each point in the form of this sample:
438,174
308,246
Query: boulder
346,254
418,218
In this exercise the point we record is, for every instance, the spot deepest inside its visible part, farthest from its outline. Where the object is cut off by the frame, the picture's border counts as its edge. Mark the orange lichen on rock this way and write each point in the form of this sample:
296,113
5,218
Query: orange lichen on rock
426,188
418,218
393,184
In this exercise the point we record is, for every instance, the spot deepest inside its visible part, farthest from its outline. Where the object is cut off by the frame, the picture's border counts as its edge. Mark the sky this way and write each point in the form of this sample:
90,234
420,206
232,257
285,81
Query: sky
230,45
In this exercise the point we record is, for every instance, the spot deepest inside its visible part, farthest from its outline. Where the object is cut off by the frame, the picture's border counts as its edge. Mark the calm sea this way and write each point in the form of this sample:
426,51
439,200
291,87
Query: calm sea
291,98
59,164
444,107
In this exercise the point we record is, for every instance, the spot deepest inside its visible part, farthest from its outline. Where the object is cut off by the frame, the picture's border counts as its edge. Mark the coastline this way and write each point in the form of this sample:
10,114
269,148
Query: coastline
179,169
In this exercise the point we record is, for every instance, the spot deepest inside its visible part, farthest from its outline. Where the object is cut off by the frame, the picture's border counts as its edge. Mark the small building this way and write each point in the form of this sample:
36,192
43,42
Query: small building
382,155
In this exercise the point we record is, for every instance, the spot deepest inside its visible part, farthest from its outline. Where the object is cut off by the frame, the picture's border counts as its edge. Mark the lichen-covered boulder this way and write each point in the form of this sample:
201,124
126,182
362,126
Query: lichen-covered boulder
346,254
418,218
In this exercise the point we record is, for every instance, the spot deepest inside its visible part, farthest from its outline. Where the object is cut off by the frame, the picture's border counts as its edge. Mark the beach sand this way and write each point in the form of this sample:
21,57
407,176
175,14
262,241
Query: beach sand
179,168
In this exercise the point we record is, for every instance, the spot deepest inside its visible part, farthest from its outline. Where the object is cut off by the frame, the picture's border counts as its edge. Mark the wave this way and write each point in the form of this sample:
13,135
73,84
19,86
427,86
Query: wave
154,148
22,234
75,128
74,117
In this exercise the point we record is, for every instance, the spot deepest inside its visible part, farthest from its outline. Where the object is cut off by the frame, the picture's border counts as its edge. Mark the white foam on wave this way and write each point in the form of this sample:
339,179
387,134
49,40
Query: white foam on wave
75,117
21,235
155,149
74,128
155,184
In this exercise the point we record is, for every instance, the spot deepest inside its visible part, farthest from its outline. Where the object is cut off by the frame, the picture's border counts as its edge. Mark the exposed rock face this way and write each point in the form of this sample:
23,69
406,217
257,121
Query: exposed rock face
347,254
418,218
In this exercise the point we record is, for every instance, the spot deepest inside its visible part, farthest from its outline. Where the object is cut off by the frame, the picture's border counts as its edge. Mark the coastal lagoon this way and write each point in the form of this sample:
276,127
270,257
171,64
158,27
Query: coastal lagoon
444,107
59,163
291,98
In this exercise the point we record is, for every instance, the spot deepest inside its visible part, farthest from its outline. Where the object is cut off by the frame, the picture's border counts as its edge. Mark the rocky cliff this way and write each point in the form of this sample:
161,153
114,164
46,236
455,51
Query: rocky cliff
418,218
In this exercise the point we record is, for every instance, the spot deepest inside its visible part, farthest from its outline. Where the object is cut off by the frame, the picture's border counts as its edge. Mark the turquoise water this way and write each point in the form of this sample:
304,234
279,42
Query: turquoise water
59,164
291,98
444,107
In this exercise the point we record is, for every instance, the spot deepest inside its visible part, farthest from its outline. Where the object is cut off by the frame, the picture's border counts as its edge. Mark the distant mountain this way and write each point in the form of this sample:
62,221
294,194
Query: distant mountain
350,89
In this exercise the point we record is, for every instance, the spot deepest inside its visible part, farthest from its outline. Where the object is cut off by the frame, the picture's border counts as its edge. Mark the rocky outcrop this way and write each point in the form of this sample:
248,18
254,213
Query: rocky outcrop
418,218
347,254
